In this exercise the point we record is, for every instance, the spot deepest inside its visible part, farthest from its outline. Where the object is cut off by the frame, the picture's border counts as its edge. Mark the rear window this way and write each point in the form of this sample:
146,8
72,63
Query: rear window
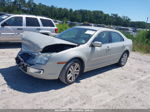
32,22
47,23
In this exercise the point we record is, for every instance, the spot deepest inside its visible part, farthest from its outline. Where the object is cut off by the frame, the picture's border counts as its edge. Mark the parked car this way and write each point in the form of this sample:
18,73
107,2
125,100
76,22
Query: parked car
72,52
12,26
126,29
2,13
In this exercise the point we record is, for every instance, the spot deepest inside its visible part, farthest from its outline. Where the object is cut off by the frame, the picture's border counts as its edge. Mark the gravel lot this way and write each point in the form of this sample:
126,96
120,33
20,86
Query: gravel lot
110,87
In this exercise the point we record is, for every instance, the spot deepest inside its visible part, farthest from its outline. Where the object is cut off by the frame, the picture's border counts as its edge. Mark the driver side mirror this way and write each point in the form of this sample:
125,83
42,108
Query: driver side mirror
4,24
97,44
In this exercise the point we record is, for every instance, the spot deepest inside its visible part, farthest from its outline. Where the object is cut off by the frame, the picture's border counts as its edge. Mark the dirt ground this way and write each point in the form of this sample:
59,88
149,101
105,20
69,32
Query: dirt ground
106,88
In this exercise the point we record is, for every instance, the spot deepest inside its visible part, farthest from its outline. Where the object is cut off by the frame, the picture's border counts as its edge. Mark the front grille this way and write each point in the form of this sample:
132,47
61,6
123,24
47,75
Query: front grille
26,58
23,66
18,60
21,63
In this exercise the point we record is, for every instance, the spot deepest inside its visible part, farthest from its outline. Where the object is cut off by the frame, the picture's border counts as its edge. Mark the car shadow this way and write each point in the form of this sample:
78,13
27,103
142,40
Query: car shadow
97,72
10,45
19,81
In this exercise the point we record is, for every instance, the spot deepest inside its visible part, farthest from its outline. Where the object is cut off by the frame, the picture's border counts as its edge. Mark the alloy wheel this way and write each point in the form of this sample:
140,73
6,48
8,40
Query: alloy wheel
73,72
124,59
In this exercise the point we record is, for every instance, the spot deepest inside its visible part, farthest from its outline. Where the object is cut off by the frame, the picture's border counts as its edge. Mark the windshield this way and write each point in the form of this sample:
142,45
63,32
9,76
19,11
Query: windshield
3,17
77,35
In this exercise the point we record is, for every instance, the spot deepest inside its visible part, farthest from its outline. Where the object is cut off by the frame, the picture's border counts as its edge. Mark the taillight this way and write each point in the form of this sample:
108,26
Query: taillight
56,30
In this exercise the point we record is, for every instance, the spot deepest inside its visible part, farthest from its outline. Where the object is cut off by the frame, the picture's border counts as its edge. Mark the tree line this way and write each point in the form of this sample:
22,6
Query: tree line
64,14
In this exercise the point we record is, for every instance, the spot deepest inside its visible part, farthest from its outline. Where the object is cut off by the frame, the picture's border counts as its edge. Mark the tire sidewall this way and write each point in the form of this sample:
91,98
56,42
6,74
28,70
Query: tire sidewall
63,75
120,63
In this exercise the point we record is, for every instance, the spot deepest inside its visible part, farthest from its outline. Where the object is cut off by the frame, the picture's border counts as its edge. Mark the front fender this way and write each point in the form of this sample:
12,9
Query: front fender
81,52
70,55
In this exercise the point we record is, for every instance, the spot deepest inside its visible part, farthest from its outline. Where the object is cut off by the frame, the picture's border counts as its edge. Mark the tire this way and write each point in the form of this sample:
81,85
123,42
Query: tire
123,60
71,71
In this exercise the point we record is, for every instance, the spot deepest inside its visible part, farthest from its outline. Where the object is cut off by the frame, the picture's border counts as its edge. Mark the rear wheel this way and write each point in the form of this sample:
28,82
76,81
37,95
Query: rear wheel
123,59
71,72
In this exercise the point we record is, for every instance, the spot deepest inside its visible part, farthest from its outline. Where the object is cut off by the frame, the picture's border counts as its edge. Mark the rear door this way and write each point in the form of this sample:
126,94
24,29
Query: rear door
32,24
11,29
48,25
116,47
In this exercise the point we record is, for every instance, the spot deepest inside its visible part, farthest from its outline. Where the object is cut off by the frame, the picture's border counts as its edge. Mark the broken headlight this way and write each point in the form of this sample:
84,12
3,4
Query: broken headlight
42,58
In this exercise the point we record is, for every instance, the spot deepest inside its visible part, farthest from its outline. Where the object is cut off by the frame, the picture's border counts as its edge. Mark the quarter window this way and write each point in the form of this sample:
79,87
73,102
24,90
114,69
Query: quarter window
103,37
14,21
32,22
115,37
47,23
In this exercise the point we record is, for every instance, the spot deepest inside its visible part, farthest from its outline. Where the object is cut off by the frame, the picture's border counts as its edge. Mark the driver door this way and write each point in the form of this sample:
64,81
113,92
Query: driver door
99,56
12,29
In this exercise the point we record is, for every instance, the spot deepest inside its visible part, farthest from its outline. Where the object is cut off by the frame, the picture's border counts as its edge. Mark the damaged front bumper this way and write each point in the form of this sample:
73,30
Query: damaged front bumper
39,71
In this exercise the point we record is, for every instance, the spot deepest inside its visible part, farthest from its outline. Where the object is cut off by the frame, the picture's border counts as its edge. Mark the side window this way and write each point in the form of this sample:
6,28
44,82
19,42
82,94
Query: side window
14,21
47,23
33,22
116,37
103,37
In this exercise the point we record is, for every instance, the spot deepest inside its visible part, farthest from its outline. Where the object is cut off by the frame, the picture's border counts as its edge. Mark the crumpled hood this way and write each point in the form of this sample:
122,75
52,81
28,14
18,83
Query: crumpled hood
35,42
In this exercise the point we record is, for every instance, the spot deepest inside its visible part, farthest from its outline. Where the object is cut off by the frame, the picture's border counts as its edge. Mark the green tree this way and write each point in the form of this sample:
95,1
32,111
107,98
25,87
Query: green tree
97,17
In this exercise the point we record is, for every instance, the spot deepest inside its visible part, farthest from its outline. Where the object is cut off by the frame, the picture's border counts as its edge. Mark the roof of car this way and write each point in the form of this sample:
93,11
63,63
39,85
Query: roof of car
29,15
95,28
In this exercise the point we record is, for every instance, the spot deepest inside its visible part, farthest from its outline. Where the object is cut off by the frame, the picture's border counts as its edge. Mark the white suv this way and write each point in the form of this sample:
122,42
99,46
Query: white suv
12,26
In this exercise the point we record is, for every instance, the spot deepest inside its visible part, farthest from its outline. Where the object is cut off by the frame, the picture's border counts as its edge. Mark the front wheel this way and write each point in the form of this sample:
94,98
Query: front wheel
71,72
123,59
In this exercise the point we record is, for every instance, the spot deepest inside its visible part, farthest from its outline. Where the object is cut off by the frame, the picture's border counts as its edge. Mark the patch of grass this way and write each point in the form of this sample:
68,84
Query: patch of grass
141,42
62,27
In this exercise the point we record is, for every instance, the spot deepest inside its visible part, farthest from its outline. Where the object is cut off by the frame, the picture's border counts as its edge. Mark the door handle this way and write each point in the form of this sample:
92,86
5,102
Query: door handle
38,29
123,46
19,28
108,48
